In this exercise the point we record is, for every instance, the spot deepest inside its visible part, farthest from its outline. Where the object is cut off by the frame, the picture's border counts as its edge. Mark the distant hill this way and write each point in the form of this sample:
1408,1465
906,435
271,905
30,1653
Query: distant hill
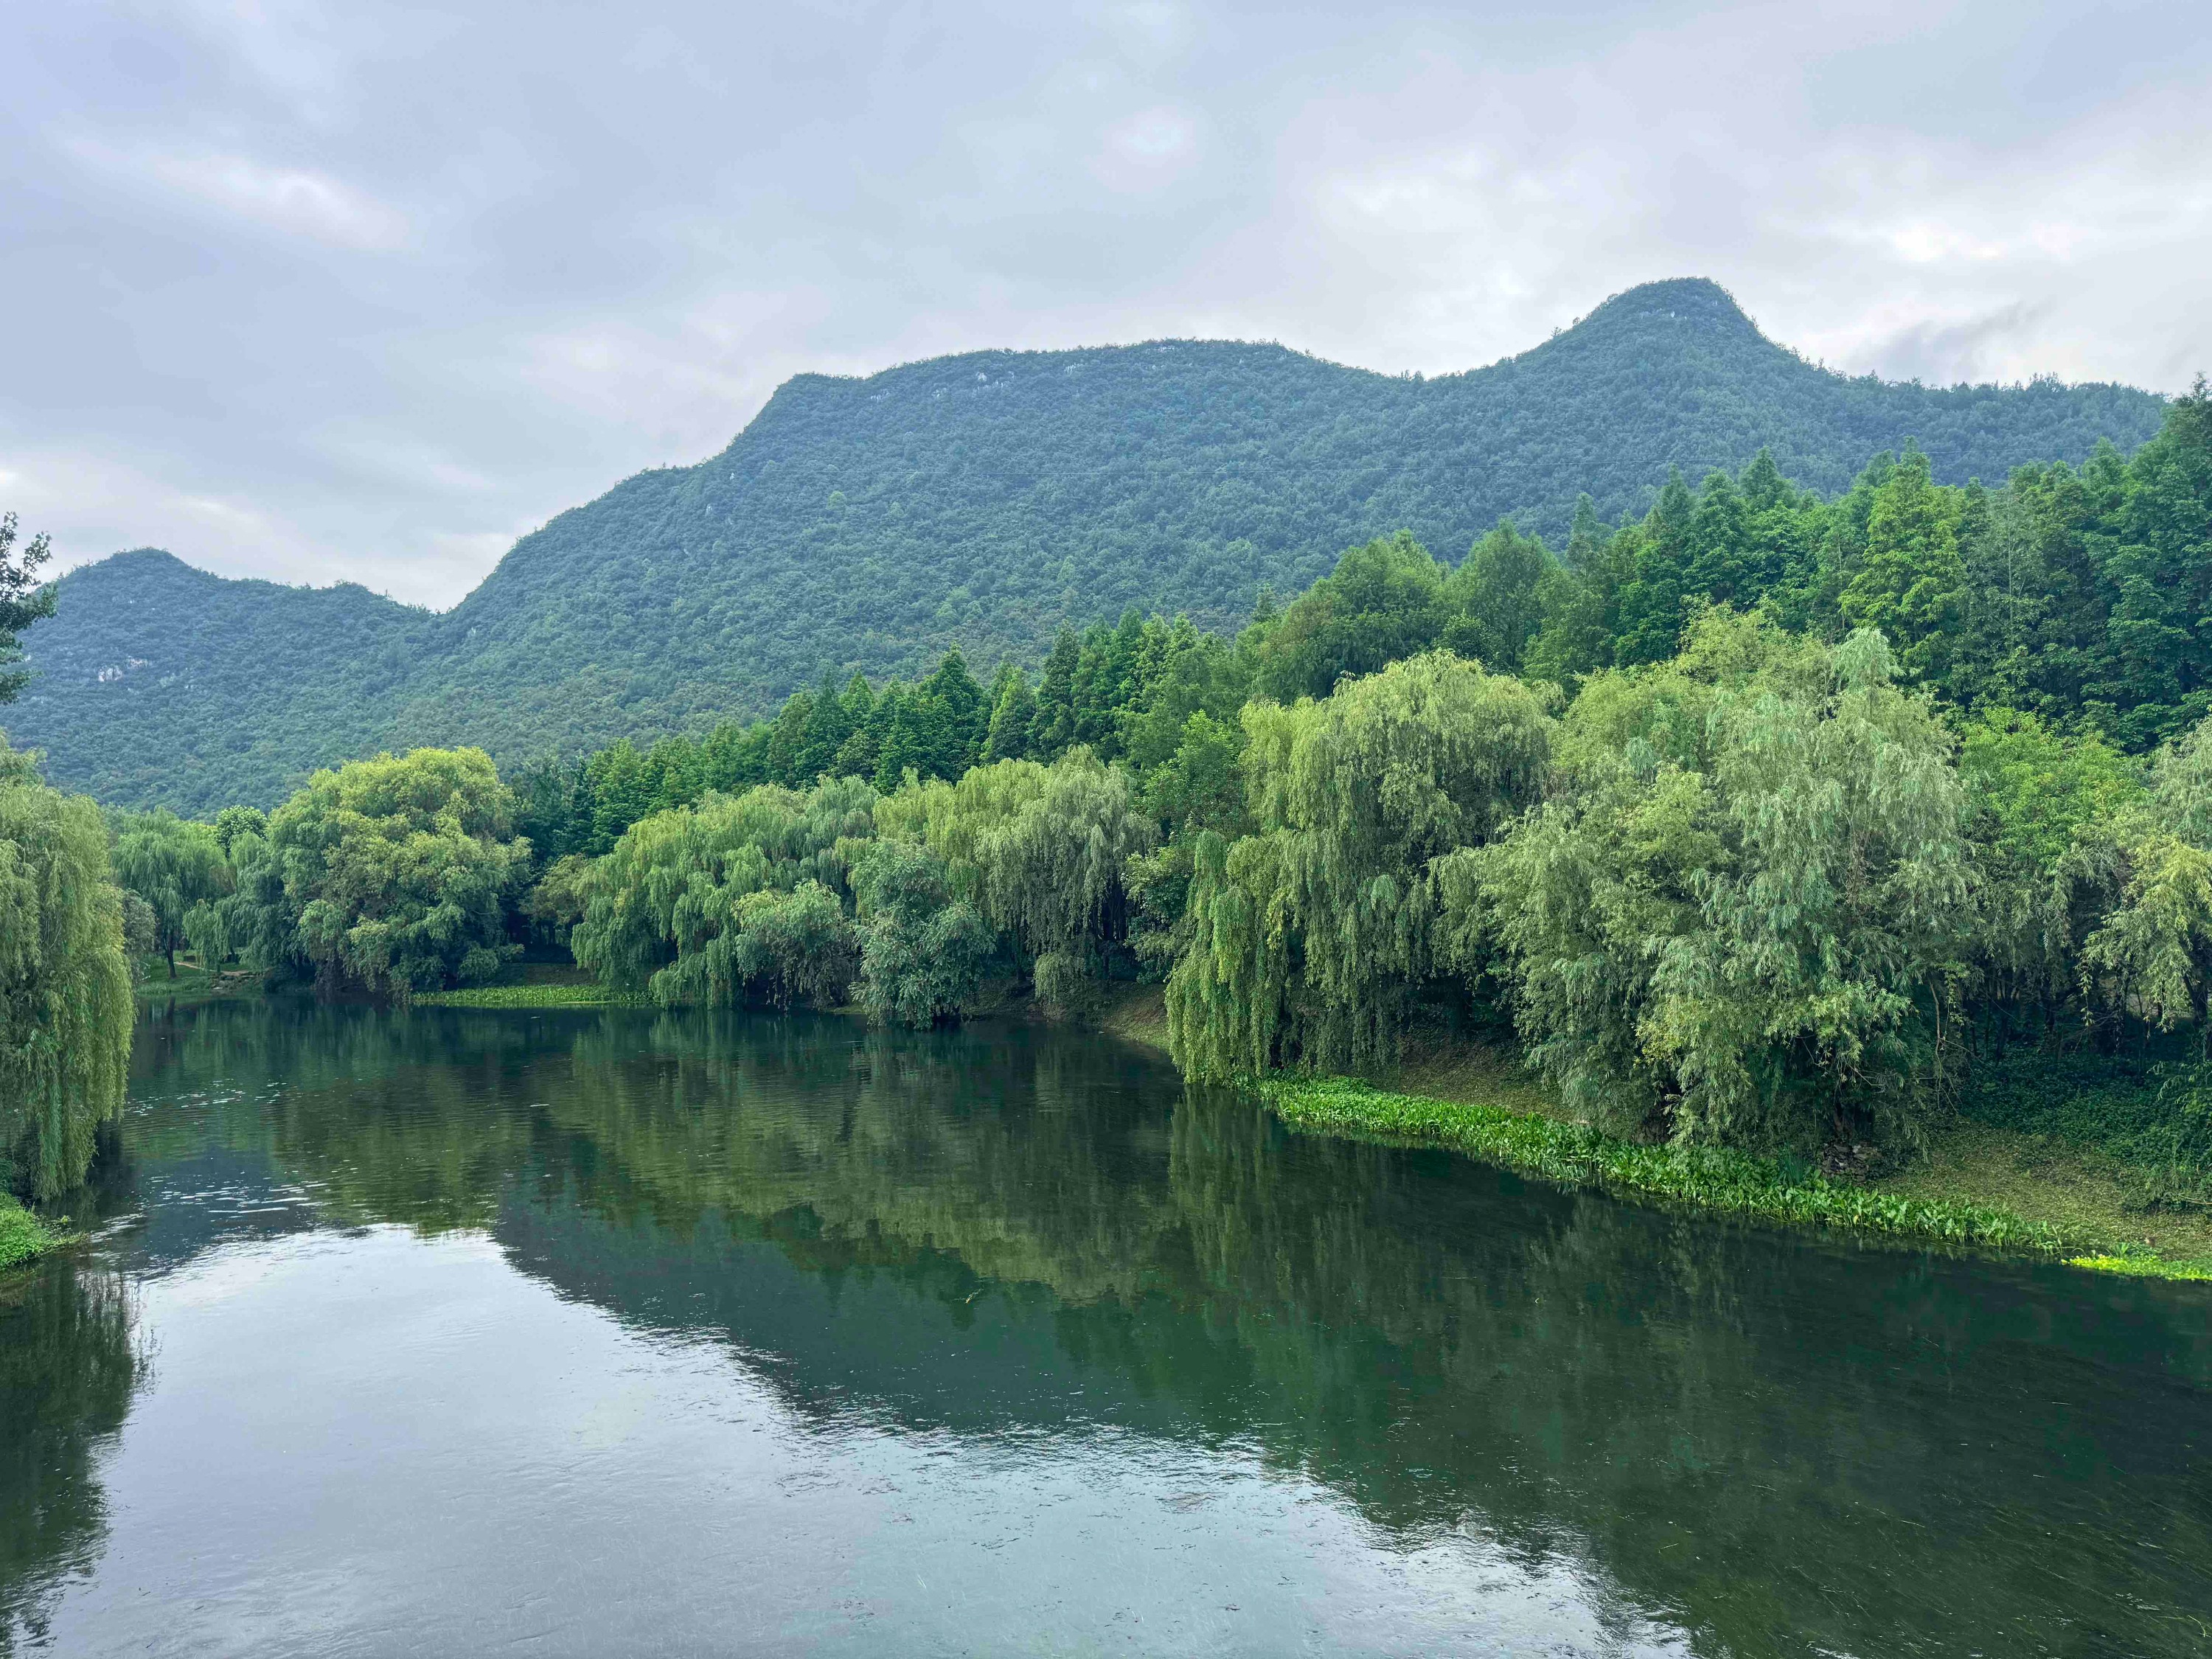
157,683
983,499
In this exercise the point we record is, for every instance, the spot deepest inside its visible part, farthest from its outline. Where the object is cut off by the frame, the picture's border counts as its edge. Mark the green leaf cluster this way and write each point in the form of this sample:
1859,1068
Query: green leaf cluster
1740,915
1307,936
65,1008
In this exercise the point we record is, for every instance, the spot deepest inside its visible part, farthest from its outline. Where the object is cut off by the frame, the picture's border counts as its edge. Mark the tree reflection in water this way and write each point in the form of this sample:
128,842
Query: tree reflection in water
1773,1443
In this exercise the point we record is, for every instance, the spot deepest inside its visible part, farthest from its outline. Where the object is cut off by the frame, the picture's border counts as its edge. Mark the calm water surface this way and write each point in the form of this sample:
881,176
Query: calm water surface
619,1333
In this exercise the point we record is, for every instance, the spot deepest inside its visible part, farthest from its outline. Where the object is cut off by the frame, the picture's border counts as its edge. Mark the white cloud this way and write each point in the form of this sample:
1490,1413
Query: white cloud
1147,149
297,200
600,242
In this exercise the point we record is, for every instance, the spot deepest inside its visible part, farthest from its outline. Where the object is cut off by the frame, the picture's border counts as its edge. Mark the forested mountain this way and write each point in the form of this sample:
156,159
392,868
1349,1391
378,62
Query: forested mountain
981,500
156,683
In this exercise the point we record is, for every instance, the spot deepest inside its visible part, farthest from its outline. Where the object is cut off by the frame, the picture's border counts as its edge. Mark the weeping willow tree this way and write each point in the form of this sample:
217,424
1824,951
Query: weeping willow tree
2150,957
674,909
1744,915
1040,851
924,948
175,866
65,1011
1310,936
2049,817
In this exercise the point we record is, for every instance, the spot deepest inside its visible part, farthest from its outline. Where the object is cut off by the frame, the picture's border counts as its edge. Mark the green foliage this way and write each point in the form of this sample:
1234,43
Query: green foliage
2150,1115
1909,581
65,1007
157,684
1384,602
1500,593
923,950
1307,937
139,929
177,868
1041,851
1744,911
22,1236
2151,953
586,996
394,872
988,501
664,912
796,947
2044,817
233,821
23,600
558,899
1013,716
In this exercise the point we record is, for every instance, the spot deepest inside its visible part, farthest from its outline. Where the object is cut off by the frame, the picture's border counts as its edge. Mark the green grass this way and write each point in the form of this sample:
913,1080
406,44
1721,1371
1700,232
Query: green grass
1728,1182
22,1235
192,983
2087,1192
580,994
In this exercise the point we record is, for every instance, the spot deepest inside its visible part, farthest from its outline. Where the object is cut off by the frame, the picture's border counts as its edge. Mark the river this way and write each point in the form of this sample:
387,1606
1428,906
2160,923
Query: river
617,1332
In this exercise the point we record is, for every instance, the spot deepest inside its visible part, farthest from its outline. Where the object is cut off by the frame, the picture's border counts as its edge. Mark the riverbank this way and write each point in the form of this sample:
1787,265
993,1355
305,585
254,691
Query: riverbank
1976,1184
1973,1189
191,982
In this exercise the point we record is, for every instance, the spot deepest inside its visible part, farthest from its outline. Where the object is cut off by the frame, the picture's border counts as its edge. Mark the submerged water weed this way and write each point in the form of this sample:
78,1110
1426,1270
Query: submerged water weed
1572,1154
2142,1266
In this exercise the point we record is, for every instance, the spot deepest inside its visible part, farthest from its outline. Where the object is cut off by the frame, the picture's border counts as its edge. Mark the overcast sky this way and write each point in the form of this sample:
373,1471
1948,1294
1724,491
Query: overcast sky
362,291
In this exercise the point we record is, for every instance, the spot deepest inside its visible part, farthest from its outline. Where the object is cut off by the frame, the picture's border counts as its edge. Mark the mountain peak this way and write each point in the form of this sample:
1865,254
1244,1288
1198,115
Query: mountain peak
1697,302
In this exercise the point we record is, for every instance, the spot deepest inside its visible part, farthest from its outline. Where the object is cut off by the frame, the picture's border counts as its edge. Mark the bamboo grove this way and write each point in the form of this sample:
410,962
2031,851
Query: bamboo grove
1760,820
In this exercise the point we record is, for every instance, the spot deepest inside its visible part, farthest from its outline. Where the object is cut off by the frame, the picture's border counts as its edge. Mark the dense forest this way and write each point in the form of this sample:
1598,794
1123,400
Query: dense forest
1759,819
983,502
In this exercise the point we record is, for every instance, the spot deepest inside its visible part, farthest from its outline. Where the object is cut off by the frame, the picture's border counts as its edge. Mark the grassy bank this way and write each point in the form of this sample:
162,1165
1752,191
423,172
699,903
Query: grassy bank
22,1235
1730,1183
585,994
534,985
192,983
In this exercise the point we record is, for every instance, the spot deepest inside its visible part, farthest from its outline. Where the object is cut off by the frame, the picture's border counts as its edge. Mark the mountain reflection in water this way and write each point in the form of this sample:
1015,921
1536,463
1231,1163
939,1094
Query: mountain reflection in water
617,1331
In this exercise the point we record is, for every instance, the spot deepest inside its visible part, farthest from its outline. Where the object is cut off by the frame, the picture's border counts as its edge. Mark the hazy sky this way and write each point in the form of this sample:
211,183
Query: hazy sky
363,290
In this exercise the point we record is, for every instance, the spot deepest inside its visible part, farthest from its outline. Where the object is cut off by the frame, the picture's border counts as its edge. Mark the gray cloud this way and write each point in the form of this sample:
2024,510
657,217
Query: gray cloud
361,291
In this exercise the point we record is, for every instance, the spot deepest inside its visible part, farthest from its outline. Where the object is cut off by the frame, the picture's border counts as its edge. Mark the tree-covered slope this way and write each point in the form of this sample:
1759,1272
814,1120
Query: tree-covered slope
158,683
984,499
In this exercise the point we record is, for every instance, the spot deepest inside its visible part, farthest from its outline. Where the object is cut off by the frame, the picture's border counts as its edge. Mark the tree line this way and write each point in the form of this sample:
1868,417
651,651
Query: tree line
1757,820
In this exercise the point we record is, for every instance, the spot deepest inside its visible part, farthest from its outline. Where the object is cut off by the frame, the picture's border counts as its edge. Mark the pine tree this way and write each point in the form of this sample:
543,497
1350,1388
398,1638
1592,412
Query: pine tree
1054,730
1720,564
905,741
829,722
1014,713
786,743
1651,605
1909,583
2160,575
622,794
957,716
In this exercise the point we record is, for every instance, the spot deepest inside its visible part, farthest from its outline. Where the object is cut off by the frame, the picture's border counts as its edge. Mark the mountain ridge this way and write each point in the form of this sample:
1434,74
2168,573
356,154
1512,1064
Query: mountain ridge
983,499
